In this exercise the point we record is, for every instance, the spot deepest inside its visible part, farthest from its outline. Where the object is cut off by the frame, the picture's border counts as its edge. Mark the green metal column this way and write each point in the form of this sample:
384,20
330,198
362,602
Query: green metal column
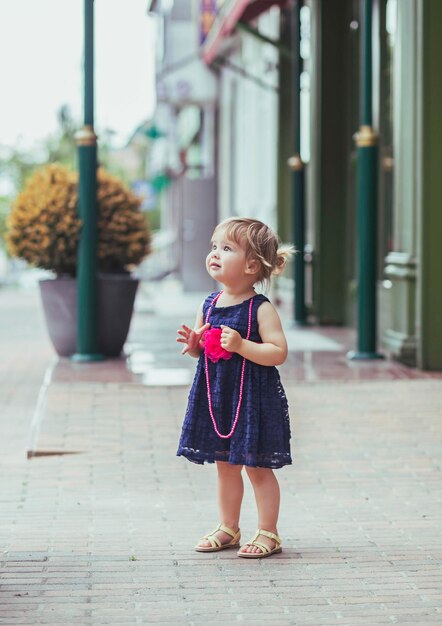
87,336
366,141
285,128
429,177
298,174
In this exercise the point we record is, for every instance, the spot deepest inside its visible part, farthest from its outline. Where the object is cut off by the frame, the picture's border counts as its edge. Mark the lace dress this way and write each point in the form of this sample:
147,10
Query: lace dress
262,434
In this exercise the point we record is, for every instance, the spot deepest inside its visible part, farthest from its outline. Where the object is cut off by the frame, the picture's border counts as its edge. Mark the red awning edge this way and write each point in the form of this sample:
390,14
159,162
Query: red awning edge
231,13
222,27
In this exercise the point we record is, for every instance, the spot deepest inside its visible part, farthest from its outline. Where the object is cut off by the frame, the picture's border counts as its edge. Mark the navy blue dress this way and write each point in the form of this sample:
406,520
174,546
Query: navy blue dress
262,434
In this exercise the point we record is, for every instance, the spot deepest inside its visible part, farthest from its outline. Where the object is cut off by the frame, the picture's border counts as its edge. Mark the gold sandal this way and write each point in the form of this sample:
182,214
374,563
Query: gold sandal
216,544
266,551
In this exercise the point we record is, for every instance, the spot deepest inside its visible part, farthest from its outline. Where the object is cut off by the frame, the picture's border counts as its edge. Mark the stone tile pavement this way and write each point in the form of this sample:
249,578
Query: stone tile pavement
102,532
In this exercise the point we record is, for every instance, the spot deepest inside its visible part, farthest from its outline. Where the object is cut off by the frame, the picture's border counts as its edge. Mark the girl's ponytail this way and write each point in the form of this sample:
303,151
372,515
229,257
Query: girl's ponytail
283,254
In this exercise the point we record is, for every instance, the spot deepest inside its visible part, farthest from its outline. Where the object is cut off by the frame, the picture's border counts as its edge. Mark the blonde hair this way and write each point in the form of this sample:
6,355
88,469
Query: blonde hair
260,243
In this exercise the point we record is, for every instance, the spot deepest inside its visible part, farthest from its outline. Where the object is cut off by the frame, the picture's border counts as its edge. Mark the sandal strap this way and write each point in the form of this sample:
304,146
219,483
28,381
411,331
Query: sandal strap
261,546
228,531
213,539
270,535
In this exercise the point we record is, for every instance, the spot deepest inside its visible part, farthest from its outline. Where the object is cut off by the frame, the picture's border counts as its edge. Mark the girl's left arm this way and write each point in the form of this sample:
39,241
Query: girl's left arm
272,350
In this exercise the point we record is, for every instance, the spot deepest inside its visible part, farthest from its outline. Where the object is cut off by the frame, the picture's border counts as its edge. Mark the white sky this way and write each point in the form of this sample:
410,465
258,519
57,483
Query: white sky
41,50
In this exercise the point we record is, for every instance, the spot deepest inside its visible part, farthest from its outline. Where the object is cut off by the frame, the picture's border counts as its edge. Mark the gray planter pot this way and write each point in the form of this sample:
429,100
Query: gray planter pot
116,297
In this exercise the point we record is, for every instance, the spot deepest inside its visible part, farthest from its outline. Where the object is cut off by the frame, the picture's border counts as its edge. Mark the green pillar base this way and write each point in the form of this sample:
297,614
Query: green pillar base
85,358
364,356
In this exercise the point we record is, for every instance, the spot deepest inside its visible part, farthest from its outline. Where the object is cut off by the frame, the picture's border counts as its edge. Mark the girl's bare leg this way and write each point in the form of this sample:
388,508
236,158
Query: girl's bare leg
267,496
230,494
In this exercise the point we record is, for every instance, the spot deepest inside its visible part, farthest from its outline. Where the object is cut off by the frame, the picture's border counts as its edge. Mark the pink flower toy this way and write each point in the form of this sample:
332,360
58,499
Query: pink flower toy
212,345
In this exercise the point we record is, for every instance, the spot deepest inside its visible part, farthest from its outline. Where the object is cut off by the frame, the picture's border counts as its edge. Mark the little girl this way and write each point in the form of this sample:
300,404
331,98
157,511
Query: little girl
237,412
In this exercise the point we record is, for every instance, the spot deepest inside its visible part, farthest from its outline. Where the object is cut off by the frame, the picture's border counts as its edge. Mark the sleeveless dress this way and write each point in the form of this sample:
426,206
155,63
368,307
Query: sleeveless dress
262,434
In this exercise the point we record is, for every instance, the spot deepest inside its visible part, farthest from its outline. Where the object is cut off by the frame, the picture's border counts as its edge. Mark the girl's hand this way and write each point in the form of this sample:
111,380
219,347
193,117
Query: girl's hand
231,340
191,337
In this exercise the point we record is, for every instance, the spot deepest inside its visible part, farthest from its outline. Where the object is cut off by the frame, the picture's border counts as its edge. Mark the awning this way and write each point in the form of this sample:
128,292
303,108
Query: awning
231,12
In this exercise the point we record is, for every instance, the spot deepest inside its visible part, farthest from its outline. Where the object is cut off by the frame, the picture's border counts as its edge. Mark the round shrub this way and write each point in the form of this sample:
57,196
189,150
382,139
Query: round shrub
44,228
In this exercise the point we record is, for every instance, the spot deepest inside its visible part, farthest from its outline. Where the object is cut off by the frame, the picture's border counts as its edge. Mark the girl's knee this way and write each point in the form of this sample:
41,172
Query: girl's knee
258,474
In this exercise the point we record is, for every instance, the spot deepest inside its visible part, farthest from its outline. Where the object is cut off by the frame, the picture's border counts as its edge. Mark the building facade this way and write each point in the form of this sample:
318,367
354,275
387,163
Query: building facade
185,156
249,47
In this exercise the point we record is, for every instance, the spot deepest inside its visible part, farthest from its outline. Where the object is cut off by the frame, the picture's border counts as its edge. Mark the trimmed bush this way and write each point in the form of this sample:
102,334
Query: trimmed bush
44,229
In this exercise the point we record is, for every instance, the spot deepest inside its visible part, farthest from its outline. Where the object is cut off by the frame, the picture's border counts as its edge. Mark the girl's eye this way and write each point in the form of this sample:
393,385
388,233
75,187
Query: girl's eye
227,248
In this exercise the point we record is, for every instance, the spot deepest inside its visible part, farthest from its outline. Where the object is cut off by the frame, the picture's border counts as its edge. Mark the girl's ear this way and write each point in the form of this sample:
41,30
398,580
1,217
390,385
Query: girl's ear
252,266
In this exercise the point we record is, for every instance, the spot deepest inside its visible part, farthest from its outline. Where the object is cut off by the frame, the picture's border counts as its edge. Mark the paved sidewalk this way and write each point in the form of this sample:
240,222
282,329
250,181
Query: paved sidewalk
103,532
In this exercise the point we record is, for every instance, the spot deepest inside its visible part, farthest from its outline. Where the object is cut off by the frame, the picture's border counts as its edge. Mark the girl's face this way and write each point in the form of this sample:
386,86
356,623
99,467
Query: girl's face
226,261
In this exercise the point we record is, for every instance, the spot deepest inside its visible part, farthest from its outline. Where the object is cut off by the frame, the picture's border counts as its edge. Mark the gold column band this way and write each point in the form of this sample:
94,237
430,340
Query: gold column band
295,163
365,137
86,136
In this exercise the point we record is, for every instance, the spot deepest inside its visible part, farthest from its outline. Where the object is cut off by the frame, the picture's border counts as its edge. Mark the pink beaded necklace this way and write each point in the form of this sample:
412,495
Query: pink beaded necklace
241,385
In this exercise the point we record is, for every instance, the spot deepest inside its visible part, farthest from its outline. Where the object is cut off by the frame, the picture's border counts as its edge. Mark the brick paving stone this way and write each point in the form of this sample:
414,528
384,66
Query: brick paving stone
106,535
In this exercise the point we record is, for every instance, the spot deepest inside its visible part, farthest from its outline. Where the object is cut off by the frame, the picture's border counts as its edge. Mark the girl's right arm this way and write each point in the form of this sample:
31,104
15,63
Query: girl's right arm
192,337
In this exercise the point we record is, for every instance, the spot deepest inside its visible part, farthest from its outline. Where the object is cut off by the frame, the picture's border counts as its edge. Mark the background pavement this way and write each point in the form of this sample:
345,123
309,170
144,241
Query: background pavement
98,526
